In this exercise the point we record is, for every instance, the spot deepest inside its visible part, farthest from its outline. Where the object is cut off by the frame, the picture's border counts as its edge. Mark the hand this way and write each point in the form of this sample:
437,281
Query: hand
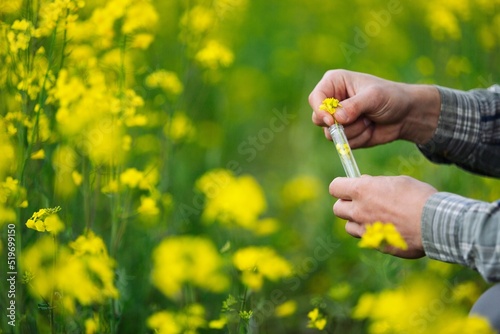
390,199
377,111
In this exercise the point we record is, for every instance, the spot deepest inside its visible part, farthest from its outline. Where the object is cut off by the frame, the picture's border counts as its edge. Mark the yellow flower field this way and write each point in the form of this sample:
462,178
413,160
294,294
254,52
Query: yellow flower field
160,172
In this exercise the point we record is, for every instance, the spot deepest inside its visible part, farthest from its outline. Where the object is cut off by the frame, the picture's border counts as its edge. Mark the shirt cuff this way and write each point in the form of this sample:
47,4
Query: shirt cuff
458,127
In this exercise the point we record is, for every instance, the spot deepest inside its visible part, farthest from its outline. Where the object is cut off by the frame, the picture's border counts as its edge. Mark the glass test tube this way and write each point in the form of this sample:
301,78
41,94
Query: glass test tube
344,150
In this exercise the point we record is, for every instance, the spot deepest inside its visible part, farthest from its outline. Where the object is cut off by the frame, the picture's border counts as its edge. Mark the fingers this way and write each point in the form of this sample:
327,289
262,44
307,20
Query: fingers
354,229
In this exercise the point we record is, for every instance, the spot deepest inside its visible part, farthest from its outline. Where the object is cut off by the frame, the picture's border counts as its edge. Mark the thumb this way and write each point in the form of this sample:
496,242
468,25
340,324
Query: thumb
352,108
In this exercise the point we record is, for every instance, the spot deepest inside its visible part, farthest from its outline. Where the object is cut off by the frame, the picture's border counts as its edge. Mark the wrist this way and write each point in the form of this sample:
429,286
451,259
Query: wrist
424,107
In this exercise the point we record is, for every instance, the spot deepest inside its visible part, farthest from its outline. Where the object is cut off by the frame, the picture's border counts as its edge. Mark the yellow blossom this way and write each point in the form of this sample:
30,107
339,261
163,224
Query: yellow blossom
168,81
131,177
148,207
214,55
187,259
11,6
257,263
92,324
38,155
46,220
286,309
198,20
330,105
316,319
218,323
142,41
186,320
84,277
179,127
231,200
379,234
301,189
413,308
140,16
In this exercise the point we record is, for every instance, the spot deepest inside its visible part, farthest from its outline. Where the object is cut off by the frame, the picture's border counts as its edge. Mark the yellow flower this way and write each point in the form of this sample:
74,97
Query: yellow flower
148,207
257,263
140,16
168,81
379,234
232,200
163,322
142,41
187,259
179,127
38,155
330,105
301,189
46,220
131,177
92,324
214,55
187,320
316,319
286,309
83,276
218,323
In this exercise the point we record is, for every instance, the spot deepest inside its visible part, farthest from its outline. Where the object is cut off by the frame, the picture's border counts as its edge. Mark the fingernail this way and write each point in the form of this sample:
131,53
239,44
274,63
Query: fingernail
367,121
340,115
328,120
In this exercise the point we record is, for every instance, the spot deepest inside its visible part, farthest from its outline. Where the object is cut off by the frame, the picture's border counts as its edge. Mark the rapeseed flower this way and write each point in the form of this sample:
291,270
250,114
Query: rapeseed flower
46,220
416,306
257,263
140,16
300,190
316,319
82,273
378,235
179,127
168,81
187,260
330,105
231,200
187,320
214,55
286,309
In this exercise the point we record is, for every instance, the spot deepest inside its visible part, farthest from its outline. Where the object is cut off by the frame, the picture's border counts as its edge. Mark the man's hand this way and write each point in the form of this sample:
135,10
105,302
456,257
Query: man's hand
390,199
377,111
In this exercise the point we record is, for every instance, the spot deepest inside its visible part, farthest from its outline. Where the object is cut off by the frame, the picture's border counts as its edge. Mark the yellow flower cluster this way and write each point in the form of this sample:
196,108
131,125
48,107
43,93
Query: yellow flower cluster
46,220
257,263
187,320
199,30
316,319
187,260
81,273
380,234
168,81
235,201
300,190
330,105
417,306
12,196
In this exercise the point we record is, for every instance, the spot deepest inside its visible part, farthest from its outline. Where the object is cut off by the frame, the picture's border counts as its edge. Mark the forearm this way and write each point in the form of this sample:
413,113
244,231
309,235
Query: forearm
468,131
464,231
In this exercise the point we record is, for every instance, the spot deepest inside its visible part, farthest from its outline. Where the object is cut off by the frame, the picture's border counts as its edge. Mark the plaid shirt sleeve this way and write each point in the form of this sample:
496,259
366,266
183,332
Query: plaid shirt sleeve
454,228
468,132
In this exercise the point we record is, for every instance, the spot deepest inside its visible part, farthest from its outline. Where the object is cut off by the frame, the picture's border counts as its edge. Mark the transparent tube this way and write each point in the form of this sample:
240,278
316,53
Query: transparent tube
344,150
